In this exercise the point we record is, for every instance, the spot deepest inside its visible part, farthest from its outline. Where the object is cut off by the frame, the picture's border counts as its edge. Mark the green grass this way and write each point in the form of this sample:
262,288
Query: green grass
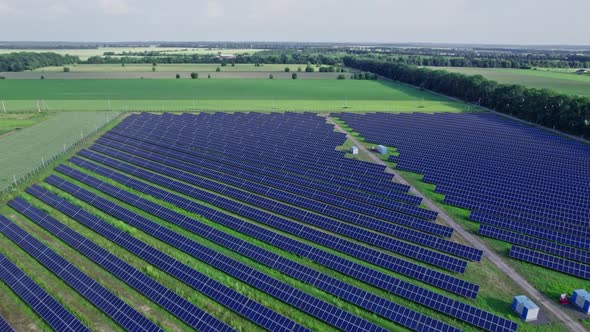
226,94
23,151
11,121
559,80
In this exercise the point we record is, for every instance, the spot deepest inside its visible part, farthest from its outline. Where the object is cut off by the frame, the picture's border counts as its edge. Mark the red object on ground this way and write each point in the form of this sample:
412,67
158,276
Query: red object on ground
563,299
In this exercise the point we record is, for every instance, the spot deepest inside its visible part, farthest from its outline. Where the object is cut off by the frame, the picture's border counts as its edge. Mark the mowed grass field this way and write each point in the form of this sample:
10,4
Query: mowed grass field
226,94
23,151
559,80
10,122
84,54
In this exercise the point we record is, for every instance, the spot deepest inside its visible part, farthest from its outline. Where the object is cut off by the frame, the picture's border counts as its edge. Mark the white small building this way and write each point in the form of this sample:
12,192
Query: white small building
525,308
354,149
581,298
381,149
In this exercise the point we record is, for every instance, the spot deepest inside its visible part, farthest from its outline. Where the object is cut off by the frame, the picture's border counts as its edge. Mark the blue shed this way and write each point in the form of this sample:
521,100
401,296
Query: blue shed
381,149
581,298
525,308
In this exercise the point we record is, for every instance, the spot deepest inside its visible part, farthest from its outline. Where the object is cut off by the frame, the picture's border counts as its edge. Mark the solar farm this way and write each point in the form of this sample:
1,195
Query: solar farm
255,221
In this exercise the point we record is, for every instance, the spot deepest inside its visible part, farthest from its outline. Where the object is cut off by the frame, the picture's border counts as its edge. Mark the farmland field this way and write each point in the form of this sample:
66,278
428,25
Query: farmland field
22,151
86,53
227,94
558,80
15,121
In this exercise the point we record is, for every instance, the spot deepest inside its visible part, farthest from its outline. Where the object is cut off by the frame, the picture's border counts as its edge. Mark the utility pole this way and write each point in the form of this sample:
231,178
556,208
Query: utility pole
3,106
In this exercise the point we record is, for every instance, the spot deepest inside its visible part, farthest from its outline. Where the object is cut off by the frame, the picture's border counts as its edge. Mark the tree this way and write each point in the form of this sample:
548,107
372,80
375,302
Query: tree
218,69
66,69
123,64
309,69
341,77
208,75
287,69
271,76
154,64
233,64
153,68
194,76
42,77
294,76
177,76
299,69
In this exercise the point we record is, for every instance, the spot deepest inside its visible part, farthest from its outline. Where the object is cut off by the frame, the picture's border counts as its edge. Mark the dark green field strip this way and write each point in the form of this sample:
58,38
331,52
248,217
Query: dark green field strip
226,89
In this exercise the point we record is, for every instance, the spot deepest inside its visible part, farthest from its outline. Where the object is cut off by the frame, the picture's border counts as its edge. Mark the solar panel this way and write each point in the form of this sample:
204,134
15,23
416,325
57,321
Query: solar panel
94,292
551,262
4,327
176,305
263,316
42,303
350,248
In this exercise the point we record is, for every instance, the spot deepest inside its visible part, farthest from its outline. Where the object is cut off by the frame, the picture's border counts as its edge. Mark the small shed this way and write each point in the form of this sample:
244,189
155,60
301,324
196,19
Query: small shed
525,308
354,149
381,149
581,298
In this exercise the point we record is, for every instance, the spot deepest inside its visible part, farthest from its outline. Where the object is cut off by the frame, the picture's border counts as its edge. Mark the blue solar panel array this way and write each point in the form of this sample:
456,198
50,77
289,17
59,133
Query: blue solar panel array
551,262
36,297
176,305
362,298
528,186
217,291
357,233
4,326
94,292
376,257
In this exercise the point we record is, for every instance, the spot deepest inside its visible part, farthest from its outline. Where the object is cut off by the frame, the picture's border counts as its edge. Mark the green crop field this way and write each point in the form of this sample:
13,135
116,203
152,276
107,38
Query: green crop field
23,151
559,80
15,121
207,67
86,53
227,94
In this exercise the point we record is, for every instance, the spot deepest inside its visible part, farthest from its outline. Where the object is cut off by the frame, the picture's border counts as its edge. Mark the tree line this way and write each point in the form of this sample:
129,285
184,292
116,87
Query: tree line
31,60
570,114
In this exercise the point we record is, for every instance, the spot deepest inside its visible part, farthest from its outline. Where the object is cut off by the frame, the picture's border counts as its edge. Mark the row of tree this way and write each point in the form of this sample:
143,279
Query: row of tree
499,62
30,60
570,114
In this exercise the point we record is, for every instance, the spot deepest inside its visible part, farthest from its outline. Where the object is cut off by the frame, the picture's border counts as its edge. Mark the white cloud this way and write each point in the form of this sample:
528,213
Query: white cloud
114,7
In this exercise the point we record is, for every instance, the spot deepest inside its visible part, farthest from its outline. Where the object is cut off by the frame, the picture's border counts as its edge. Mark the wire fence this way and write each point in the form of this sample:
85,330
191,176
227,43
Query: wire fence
24,177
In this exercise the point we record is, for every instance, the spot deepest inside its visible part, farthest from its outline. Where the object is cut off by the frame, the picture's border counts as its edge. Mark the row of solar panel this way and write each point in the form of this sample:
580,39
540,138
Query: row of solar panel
284,184
390,202
230,298
551,262
37,298
167,299
328,284
309,203
357,233
569,239
94,292
273,141
4,326
535,243
345,178
435,301
378,258
317,160
252,166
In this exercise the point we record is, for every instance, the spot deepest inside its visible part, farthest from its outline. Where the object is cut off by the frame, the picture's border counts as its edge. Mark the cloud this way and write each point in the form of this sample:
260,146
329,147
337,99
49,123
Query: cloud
114,7
214,9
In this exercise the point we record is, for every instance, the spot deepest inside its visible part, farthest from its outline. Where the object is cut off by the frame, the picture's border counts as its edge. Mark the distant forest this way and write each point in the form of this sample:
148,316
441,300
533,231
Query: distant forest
31,60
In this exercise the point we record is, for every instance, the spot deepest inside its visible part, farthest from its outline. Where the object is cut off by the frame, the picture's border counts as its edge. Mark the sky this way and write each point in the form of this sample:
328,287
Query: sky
531,22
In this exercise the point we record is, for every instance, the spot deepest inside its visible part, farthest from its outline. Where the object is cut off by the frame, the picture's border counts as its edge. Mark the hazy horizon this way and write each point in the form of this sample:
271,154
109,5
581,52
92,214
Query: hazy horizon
502,22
